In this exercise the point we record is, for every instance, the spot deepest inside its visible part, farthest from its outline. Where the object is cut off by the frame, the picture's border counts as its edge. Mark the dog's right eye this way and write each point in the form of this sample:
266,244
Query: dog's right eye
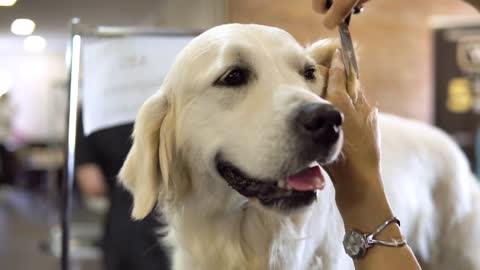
234,77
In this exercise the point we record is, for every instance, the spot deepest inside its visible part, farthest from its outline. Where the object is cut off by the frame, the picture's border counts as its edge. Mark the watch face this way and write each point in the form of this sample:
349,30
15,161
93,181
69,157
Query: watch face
355,244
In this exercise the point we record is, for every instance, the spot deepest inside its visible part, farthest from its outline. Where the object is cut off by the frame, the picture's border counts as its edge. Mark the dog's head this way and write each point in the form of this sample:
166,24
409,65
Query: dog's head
239,114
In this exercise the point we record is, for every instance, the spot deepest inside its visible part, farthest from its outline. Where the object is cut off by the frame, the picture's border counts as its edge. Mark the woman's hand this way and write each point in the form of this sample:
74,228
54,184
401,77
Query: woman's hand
474,3
91,181
339,10
356,174
361,150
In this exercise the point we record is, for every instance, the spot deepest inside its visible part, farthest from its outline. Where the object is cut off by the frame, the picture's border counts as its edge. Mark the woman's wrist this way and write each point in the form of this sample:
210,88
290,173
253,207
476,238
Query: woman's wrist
367,208
367,217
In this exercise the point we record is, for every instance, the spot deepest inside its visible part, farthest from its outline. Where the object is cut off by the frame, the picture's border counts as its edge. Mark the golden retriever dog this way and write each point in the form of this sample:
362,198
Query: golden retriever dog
231,149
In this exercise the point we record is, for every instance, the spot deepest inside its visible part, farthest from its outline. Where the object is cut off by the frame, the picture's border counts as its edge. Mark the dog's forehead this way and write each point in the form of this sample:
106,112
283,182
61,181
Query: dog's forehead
243,37
253,32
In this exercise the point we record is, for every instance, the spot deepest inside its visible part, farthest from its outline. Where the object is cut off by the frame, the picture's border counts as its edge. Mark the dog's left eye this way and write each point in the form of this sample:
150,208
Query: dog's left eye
309,73
235,77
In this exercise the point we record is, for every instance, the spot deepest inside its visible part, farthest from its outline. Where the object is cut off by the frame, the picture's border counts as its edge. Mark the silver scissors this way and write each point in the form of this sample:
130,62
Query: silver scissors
349,58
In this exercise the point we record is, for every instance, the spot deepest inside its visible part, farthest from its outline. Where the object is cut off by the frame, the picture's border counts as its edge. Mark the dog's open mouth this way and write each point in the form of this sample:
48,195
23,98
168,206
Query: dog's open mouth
294,191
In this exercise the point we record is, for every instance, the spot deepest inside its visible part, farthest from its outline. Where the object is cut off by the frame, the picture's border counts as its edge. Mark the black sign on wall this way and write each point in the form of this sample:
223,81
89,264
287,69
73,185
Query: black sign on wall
457,86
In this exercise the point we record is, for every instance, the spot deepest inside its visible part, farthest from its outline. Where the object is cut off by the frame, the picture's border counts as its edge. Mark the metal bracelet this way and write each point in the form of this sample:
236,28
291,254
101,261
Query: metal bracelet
370,237
356,243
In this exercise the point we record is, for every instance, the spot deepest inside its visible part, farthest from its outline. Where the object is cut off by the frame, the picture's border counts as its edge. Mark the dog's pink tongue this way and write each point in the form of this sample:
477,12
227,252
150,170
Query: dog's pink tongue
308,179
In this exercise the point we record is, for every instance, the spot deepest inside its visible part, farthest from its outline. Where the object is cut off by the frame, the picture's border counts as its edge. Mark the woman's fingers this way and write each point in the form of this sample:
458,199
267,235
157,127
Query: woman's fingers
339,10
353,85
362,104
337,83
336,77
319,6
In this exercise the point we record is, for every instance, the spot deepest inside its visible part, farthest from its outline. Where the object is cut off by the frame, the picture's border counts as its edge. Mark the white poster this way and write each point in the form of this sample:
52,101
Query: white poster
120,74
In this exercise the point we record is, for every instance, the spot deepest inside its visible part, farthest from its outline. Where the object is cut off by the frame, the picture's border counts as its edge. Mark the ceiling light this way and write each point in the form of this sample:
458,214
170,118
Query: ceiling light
7,3
22,27
34,44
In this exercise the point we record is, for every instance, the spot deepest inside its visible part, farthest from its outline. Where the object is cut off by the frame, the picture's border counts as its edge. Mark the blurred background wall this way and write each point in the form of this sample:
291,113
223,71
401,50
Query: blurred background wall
396,64
198,14
394,40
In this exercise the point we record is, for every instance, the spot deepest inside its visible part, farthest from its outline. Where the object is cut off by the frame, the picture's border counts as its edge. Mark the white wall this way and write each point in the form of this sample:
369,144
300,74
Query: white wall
36,95
40,104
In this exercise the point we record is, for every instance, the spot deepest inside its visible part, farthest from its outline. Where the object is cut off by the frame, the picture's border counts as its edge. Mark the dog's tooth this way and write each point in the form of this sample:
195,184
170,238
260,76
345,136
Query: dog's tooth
281,183
313,164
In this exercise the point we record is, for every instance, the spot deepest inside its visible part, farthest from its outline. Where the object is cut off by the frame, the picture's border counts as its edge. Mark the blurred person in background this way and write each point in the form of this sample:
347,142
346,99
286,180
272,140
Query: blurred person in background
127,244
7,165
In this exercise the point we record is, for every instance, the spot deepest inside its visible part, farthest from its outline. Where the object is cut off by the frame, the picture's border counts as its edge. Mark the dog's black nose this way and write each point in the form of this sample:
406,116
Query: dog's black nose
320,121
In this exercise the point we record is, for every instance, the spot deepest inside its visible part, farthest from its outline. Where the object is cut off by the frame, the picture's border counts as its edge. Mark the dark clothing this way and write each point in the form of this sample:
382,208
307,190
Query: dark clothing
7,166
128,244
132,245
107,148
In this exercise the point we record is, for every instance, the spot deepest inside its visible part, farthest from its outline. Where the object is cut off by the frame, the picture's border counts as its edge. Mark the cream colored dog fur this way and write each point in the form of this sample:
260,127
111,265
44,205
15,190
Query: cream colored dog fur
212,227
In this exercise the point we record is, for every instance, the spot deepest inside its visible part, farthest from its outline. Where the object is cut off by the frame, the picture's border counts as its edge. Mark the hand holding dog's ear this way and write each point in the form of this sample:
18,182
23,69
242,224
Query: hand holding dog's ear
360,126
357,171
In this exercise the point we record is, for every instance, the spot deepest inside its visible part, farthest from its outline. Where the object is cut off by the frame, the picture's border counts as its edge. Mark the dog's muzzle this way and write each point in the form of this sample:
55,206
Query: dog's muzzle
317,131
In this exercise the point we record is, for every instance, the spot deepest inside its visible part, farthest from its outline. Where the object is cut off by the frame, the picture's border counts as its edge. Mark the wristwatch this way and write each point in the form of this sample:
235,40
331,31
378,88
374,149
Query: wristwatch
357,243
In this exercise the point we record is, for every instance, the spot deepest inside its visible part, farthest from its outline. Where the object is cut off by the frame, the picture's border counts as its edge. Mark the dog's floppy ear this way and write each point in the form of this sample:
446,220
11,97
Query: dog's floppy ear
322,50
322,53
140,173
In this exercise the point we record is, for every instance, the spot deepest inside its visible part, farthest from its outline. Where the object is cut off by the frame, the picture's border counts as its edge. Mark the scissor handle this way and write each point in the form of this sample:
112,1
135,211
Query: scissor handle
356,10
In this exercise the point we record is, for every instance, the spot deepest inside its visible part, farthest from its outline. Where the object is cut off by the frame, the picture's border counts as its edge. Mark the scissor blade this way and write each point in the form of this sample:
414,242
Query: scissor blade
349,57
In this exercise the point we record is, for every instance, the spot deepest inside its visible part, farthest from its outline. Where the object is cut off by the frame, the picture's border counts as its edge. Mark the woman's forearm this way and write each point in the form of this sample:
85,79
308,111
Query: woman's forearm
366,215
